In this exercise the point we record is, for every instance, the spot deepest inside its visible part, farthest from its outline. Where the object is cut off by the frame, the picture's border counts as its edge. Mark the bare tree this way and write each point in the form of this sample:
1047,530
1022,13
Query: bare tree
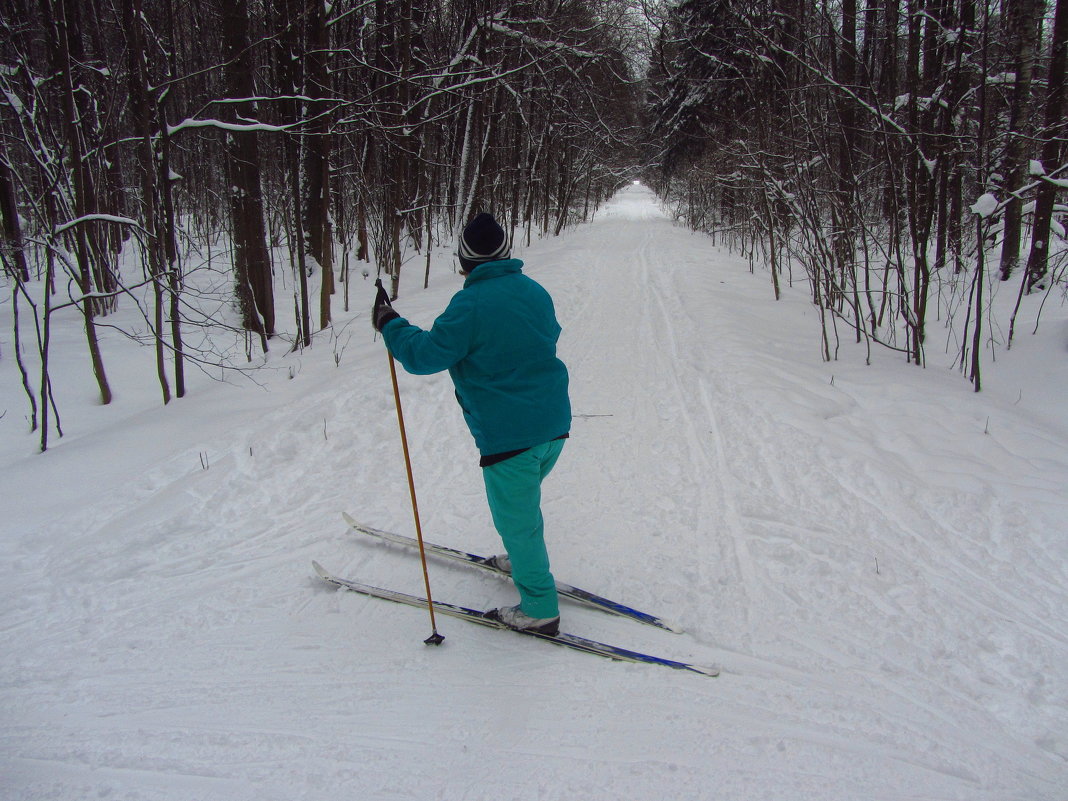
1053,136
1024,18
851,139
253,278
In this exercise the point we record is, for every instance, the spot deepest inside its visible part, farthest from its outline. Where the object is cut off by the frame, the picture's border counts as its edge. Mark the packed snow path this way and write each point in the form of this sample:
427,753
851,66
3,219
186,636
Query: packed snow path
874,556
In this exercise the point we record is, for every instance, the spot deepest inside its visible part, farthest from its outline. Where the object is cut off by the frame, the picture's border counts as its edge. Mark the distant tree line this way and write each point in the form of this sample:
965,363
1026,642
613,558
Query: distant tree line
880,146
303,136
228,148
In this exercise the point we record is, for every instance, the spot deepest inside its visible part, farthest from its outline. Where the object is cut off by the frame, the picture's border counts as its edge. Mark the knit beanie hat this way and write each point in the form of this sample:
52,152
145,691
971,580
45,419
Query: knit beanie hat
482,240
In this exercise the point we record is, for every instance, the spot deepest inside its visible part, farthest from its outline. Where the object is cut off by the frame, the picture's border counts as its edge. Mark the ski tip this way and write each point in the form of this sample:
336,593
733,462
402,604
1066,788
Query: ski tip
705,670
672,627
320,570
353,523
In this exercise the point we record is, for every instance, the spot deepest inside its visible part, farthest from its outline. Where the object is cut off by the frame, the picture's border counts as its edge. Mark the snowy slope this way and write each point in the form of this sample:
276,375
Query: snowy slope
875,556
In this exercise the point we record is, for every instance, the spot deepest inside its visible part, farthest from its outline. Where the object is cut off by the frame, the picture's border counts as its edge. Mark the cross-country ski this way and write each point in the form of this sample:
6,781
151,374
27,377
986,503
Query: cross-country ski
483,618
581,596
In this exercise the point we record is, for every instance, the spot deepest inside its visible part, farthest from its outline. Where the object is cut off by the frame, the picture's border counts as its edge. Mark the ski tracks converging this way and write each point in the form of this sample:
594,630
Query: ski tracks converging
651,354
736,479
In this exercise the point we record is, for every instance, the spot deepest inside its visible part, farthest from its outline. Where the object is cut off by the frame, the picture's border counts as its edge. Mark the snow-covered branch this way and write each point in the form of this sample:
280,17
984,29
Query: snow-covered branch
242,127
111,218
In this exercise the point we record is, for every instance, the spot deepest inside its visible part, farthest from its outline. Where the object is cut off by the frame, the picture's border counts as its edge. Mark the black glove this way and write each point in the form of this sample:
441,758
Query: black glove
383,311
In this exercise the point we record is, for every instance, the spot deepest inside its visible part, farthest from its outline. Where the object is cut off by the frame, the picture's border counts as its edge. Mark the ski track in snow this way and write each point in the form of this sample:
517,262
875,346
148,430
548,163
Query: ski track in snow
882,583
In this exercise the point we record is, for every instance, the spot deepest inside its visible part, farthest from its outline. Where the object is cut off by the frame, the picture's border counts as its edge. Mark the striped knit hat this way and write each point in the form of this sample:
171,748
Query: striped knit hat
482,240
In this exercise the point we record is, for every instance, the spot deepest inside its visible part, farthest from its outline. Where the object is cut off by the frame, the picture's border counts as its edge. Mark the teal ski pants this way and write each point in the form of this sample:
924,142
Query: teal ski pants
513,488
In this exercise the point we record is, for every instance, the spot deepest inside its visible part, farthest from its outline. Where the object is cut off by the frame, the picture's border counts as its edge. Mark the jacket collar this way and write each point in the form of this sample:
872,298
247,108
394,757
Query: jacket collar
493,269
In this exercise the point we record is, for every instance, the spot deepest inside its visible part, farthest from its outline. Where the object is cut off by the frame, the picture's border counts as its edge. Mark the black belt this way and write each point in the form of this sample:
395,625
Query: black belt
491,459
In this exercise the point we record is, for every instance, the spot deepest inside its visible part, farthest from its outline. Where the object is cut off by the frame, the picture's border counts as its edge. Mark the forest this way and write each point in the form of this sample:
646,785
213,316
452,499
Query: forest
898,154
218,163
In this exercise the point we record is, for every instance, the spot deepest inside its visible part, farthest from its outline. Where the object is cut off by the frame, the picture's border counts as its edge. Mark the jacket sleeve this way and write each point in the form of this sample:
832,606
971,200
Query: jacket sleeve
447,342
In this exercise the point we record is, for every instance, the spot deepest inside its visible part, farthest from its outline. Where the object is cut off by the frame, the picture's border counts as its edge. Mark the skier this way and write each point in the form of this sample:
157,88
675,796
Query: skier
497,338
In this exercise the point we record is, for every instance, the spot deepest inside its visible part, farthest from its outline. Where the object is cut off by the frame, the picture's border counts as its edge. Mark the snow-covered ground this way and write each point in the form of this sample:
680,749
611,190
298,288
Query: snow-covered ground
875,556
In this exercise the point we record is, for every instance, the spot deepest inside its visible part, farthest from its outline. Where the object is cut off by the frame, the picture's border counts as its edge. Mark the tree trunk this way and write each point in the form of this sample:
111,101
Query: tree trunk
317,156
1025,16
12,248
1053,136
252,265
88,250
152,222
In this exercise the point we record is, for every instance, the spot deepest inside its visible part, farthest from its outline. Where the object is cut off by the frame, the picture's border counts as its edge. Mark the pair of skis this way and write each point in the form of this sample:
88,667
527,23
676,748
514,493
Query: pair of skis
483,618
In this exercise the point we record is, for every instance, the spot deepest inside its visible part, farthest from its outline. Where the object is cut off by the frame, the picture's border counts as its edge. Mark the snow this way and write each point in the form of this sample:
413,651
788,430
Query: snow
875,556
97,217
225,126
13,100
986,205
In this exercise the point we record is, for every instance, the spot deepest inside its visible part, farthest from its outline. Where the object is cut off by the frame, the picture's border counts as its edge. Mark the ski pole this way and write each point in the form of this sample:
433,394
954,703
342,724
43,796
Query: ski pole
434,638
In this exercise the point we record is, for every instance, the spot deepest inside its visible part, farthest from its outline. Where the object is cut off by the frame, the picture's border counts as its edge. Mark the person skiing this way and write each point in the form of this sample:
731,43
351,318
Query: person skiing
497,338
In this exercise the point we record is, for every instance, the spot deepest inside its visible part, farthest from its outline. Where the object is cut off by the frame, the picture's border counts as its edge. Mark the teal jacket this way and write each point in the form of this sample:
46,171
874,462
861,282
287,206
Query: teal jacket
497,338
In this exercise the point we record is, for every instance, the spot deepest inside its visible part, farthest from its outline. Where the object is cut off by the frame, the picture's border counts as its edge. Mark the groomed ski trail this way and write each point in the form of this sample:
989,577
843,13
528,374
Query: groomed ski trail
771,498
882,581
